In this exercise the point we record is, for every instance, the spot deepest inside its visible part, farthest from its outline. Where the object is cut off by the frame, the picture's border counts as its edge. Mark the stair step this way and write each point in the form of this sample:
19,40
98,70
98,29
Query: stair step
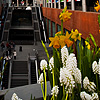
18,82
19,67
33,73
19,76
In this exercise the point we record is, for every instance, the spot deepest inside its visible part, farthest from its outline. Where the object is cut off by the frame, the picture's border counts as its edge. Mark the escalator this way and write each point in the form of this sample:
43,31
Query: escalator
3,22
21,23
24,34
33,68
33,73
5,75
19,75
5,32
41,24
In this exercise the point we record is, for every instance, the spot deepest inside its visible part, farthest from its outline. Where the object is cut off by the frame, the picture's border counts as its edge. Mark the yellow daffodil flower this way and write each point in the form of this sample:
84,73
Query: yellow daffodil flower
65,40
58,33
97,8
65,16
99,30
76,35
87,44
54,42
64,10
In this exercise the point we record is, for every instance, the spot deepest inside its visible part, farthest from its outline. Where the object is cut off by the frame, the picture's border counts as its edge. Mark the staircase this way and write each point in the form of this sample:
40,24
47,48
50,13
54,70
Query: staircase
19,76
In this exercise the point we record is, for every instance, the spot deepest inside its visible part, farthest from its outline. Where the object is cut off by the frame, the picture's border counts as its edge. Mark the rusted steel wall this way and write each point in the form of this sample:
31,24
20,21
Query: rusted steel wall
85,22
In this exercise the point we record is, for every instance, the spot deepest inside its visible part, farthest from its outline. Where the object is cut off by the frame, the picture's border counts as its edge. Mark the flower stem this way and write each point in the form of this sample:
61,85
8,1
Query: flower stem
51,97
45,85
53,78
53,83
97,81
73,95
63,93
42,89
80,55
66,96
63,90
80,62
61,26
69,96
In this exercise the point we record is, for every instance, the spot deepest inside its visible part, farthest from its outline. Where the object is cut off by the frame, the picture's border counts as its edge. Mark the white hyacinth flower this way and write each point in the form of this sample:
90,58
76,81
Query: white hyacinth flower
51,63
43,64
95,96
95,67
85,96
55,91
90,86
64,55
77,75
71,62
19,99
67,79
41,79
14,96
85,82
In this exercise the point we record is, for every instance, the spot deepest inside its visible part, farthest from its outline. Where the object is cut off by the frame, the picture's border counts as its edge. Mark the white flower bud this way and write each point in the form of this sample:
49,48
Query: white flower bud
43,64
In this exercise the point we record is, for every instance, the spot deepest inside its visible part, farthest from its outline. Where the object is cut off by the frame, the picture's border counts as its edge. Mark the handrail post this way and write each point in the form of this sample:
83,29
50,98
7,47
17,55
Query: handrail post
9,81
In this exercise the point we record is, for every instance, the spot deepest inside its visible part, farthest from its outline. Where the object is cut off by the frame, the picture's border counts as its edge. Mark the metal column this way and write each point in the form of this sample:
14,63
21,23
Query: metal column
72,5
84,5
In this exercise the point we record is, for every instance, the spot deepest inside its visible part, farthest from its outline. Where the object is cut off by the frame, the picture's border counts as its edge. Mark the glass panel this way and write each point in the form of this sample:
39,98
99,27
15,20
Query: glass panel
78,5
68,5
49,28
90,4
59,28
53,28
68,31
46,24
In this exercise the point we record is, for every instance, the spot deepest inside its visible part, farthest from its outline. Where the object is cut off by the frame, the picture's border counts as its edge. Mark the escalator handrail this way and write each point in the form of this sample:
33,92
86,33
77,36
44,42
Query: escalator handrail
29,70
2,73
42,24
4,25
10,72
38,23
36,70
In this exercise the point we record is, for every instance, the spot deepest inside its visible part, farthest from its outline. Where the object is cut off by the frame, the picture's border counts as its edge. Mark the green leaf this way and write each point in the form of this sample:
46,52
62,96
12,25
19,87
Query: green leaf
46,51
99,19
93,40
31,97
64,10
34,98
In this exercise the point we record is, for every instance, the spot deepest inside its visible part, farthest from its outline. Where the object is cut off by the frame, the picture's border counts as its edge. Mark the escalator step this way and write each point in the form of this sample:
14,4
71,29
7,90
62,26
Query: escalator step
18,82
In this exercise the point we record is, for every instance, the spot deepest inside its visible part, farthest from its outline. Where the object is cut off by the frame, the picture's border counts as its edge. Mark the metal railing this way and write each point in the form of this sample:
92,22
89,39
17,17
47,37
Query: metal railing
10,69
42,24
4,25
2,74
